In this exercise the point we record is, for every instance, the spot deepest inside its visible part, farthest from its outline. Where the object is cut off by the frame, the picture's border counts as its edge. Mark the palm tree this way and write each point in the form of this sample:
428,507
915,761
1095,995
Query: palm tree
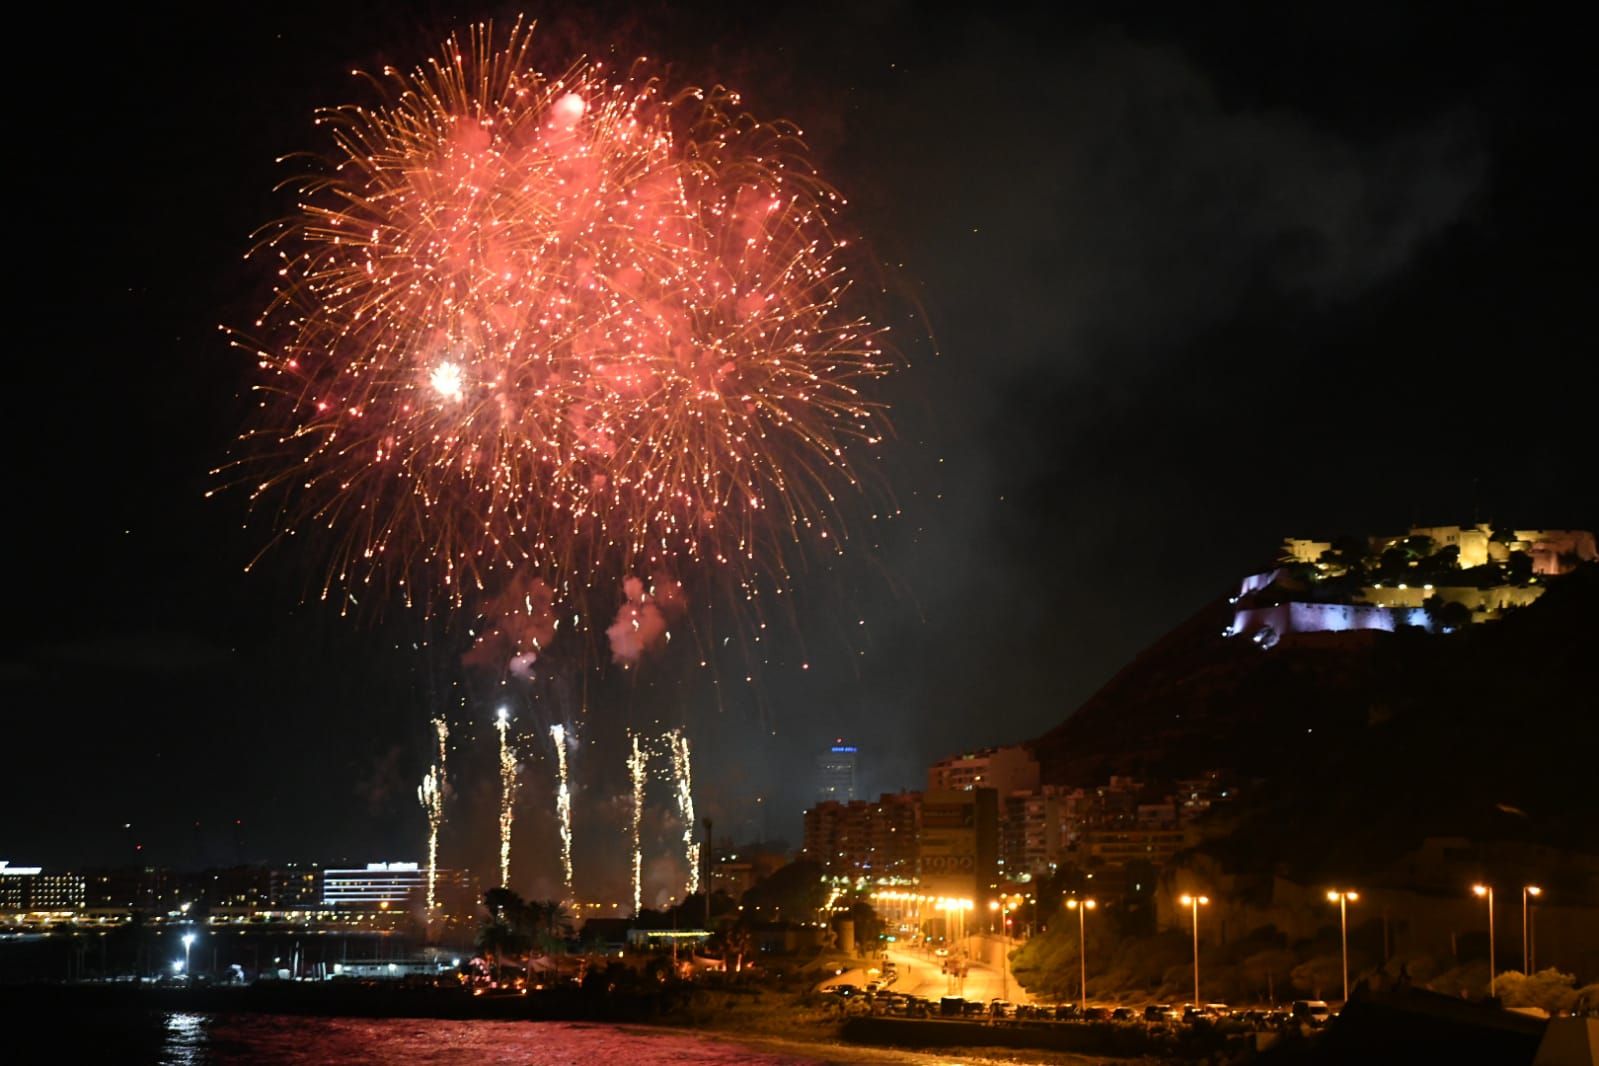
551,922
506,928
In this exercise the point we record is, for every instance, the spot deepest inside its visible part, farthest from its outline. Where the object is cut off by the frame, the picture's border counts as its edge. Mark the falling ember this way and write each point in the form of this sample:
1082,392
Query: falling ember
431,793
507,794
683,786
636,767
583,326
563,804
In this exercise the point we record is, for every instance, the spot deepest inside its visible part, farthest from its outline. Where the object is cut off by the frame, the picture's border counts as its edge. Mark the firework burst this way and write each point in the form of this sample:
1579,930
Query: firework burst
582,326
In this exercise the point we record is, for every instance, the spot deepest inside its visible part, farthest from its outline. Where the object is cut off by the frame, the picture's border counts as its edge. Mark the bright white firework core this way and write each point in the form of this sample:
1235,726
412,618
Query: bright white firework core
447,381
568,109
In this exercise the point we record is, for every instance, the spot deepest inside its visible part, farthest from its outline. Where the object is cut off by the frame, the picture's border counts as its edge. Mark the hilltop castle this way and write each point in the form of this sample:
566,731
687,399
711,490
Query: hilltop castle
1434,578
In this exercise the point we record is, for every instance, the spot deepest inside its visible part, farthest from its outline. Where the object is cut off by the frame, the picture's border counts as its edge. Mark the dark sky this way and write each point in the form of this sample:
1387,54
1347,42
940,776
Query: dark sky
1193,278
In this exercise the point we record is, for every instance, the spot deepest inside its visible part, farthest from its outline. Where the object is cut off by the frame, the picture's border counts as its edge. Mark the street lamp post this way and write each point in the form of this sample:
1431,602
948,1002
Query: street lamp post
1082,907
1004,905
1343,898
1002,908
1487,892
1526,937
1194,903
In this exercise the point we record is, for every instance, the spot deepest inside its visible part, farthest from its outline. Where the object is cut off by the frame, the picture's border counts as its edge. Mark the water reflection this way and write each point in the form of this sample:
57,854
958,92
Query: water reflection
184,1042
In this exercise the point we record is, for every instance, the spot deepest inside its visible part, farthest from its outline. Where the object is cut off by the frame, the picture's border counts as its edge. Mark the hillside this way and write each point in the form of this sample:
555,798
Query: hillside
1358,745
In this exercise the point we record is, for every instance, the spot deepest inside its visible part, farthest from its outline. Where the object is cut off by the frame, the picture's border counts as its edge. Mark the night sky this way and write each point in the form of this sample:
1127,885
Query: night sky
1189,280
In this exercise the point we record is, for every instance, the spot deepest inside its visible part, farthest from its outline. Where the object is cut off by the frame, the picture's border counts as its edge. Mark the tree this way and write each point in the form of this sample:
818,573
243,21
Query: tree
551,924
794,892
868,926
507,929
1394,564
1418,547
1549,989
1518,568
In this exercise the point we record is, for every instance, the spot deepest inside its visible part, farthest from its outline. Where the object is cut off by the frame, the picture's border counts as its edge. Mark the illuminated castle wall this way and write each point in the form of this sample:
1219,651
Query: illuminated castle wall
1388,606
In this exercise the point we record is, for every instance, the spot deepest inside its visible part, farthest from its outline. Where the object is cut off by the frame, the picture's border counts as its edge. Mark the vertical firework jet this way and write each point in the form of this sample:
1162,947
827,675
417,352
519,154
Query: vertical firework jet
431,793
683,784
432,796
636,771
507,794
441,729
563,805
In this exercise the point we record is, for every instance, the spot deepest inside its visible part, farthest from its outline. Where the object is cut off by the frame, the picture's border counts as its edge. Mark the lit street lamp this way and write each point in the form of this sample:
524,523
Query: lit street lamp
1526,938
1004,905
1343,898
1082,943
188,941
1487,892
1194,903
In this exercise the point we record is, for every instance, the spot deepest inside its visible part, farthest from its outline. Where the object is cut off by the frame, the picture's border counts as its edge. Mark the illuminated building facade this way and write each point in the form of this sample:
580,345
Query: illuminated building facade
835,769
958,853
865,838
1005,770
378,884
29,888
396,886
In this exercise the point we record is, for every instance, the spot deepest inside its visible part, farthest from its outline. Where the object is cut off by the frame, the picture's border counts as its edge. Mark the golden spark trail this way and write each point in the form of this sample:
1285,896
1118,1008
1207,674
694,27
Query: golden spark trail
431,793
441,730
507,794
563,805
432,796
683,786
636,769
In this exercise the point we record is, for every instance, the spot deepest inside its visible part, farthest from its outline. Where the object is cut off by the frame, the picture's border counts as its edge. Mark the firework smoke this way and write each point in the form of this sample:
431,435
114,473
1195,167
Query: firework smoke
641,621
563,805
636,770
683,786
561,329
507,794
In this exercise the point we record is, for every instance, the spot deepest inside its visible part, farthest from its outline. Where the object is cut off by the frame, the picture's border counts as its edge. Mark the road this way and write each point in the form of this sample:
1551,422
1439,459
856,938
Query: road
920,974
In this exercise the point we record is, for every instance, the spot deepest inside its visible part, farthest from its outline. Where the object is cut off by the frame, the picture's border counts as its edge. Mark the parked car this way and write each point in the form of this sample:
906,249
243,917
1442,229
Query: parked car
1095,1014
1000,1008
1312,1012
1122,1014
1066,1012
1160,1012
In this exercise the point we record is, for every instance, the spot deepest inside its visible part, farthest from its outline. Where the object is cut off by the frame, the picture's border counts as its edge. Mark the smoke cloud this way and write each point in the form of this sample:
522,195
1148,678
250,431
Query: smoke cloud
641,622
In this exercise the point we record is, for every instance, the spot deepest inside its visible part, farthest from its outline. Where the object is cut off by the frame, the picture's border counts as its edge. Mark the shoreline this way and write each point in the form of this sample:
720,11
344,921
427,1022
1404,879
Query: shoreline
778,1022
